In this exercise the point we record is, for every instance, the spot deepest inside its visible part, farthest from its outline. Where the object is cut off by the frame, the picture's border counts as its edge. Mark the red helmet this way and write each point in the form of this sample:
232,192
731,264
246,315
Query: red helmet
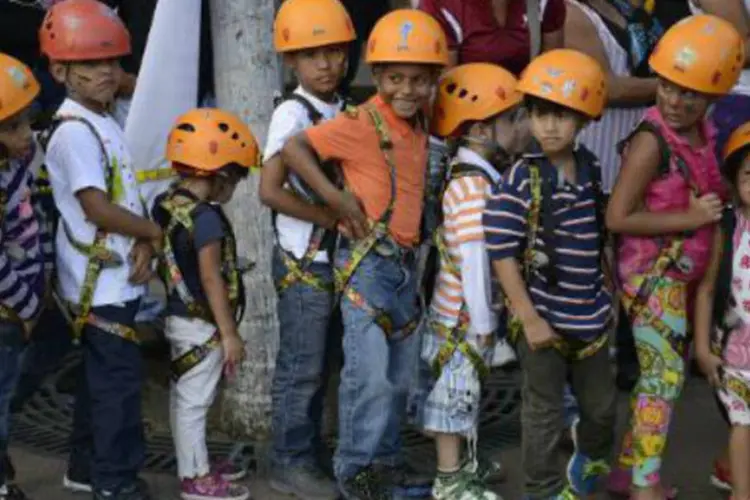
83,30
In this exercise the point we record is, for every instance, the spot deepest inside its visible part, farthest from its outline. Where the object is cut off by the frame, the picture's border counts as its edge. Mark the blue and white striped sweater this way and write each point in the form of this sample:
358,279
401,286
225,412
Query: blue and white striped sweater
25,242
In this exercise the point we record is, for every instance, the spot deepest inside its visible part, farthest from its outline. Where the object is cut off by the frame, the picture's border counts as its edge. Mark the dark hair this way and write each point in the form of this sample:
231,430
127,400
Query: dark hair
731,166
231,170
545,107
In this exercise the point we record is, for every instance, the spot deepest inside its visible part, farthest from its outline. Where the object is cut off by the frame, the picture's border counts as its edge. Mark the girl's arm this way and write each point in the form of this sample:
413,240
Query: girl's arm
275,196
113,218
212,281
704,300
625,210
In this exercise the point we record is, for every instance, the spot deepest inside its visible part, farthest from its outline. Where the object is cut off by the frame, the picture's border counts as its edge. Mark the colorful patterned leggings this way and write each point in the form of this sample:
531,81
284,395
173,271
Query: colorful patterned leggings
662,363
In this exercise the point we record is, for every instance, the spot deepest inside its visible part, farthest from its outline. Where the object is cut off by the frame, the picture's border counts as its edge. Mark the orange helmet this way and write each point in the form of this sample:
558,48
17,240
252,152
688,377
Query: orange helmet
83,30
18,87
472,92
304,24
407,36
738,140
569,78
701,53
207,140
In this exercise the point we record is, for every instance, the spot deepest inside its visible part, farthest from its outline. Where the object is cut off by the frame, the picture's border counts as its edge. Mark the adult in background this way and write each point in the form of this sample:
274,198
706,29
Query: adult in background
495,31
620,36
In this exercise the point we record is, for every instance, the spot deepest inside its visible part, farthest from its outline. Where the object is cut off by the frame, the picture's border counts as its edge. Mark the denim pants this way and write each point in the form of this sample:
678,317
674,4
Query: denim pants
378,370
300,379
545,372
107,436
12,343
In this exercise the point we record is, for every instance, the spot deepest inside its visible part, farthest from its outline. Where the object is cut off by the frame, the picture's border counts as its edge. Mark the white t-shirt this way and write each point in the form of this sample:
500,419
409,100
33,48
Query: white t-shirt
74,162
288,120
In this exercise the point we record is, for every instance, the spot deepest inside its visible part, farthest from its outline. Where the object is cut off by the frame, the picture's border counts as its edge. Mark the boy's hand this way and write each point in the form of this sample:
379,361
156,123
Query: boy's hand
234,349
539,334
705,210
140,260
711,366
349,209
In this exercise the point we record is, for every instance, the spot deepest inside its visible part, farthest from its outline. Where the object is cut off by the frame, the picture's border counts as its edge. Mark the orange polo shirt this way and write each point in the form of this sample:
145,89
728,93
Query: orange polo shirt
354,143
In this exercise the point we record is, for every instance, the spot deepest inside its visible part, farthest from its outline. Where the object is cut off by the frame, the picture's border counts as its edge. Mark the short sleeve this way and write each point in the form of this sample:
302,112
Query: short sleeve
463,207
208,227
448,19
340,138
505,215
78,155
554,16
288,120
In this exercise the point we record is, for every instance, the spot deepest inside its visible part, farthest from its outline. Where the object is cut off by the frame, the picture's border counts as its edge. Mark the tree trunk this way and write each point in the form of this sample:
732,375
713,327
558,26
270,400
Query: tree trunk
247,74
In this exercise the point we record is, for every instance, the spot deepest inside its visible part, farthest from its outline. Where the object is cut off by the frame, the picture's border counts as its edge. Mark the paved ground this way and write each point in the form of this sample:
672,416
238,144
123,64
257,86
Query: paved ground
697,435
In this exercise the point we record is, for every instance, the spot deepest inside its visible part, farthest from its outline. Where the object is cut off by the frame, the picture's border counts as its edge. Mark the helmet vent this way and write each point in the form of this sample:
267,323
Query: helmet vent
186,127
223,127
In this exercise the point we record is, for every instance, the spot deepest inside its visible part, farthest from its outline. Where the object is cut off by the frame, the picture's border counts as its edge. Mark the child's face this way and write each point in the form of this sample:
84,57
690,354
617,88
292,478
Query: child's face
15,135
512,130
320,69
743,182
90,81
554,130
681,108
406,87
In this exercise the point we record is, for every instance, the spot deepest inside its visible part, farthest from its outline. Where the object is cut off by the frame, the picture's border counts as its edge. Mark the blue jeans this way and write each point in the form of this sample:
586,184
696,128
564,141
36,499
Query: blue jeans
299,382
12,342
378,370
107,436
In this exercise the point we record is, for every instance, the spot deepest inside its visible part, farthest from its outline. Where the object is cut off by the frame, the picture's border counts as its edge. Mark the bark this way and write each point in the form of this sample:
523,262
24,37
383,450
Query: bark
246,75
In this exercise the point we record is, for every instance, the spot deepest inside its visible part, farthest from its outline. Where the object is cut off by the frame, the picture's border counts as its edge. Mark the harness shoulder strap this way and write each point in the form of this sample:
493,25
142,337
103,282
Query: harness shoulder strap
646,126
312,112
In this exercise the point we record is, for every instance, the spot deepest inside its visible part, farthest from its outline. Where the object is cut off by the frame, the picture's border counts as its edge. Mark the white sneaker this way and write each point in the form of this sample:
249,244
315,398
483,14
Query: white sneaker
503,355
75,486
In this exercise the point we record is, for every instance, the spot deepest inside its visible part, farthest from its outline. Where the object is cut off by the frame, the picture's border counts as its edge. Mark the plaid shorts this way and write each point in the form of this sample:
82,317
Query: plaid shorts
450,403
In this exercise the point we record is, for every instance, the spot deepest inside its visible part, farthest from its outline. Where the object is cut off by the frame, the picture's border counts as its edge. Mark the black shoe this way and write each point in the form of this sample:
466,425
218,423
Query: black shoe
368,484
10,471
13,492
136,491
408,481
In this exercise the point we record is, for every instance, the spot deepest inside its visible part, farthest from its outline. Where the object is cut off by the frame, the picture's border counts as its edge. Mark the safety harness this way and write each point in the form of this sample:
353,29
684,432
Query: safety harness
322,239
99,256
181,204
541,223
378,240
670,254
455,338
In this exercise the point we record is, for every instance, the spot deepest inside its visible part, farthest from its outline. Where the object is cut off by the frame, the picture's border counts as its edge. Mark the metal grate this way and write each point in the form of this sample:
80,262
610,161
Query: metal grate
44,426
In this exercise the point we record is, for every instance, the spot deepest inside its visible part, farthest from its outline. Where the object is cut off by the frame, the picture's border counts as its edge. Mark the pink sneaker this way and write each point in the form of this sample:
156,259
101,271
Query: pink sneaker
228,470
212,488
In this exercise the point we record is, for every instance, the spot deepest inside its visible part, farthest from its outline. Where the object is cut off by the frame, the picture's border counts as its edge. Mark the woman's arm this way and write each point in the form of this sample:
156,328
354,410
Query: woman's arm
705,296
581,35
625,210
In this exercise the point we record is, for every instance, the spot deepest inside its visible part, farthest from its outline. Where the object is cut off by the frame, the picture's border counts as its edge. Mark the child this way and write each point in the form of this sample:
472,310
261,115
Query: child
313,36
22,260
211,150
104,246
669,184
382,148
724,354
544,240
477,106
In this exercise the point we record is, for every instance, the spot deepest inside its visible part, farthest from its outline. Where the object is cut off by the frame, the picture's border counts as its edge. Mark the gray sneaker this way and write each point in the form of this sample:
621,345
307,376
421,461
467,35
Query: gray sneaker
304,482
